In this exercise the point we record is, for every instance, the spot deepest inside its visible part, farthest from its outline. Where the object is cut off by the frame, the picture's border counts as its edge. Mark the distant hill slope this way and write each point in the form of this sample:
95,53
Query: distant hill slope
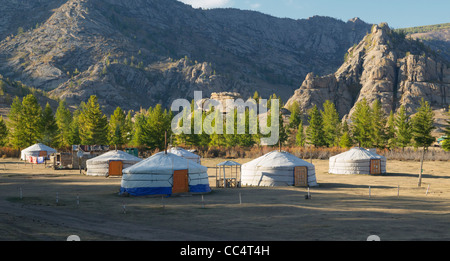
10,89
138,53
437,37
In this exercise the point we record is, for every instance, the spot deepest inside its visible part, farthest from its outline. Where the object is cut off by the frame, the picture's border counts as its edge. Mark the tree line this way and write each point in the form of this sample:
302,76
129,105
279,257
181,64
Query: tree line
368,127
29,123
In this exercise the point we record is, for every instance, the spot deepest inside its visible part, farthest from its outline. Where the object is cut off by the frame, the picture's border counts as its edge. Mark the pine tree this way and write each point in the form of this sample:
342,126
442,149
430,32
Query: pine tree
314,131
117,127
246,140
204,138
63,119
128,128
157,127
295,117
218,138
73,137
49,127
403,128
93,124
3,133
346,139
446,142
422,126
30,124
193,139
331,124
390,131
379,139
362,124
256,96
232,139
140,124
14,123
300,137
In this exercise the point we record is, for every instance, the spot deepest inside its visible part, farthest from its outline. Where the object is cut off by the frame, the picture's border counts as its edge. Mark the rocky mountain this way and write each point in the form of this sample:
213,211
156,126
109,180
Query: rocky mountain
136,53
386,66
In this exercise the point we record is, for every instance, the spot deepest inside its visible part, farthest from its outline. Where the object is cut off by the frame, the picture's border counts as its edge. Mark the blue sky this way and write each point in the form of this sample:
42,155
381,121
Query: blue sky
397,13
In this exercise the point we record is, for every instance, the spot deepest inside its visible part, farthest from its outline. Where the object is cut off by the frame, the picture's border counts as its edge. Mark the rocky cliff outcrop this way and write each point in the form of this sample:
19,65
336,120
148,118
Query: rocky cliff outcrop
137,53
383,66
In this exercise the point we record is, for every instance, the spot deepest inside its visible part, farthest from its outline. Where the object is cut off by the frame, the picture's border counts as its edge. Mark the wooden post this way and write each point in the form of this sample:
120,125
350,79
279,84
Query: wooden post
165,142
421,168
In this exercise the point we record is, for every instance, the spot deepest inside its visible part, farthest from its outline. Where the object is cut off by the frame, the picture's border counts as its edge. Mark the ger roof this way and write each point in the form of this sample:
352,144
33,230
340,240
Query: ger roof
355,154
115,155
165,162
183,153
39,147
277,159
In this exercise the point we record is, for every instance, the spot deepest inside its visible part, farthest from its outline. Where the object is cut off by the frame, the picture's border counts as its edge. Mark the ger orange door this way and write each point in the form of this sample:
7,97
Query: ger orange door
375,167
180,181
115,168
301,176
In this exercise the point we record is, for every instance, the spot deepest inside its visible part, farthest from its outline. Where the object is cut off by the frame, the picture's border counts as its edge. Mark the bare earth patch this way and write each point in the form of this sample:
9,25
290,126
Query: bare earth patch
59,203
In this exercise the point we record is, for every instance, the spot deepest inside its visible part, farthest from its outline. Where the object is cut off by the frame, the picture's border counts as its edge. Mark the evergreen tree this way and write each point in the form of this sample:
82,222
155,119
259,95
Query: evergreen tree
49,127
128,128
3,133
314,131
295,117
93,124
140,124
246,140
73,137
379,139
217,138
63,119
204,139
446,142
232,139
157,127
30,123
14,122
256,96
331,124
390,131
422,126
300,137
403,128
362,124
283,135
117,131
346,139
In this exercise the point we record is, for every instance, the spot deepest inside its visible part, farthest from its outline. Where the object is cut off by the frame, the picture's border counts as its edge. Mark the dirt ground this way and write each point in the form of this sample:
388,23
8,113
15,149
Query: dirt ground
38,203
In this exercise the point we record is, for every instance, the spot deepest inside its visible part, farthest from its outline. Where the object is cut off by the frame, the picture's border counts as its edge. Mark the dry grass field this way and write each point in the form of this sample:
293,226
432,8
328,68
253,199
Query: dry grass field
38,203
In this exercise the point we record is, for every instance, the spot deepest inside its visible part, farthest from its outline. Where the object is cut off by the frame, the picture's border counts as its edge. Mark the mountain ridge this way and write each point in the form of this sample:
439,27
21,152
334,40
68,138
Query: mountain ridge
138,53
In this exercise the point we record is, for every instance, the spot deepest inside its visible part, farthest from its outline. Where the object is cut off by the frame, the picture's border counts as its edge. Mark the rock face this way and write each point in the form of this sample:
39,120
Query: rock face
142,52
383,66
